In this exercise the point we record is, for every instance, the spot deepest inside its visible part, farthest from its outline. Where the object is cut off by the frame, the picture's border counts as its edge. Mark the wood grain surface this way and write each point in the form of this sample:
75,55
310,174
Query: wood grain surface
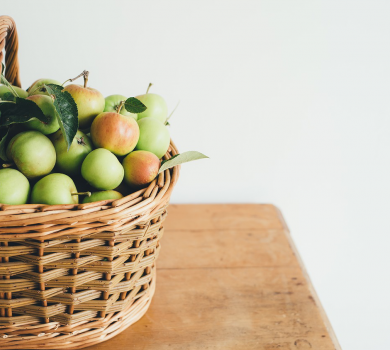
229,277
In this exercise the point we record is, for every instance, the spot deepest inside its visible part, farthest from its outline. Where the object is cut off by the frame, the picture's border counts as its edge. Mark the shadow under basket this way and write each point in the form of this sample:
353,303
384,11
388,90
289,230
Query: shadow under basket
75,275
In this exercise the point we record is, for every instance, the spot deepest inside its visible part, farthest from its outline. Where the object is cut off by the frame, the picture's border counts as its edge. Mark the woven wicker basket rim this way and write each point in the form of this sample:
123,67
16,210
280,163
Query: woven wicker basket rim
39,208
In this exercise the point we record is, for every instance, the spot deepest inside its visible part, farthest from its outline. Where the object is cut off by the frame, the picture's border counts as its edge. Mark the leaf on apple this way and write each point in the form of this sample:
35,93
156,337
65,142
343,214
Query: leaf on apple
134,105
20,111
180,159
8,96
67,111
4,81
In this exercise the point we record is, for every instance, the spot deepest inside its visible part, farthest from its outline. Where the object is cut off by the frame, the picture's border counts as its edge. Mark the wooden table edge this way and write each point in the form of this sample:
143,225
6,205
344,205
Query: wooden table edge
313,292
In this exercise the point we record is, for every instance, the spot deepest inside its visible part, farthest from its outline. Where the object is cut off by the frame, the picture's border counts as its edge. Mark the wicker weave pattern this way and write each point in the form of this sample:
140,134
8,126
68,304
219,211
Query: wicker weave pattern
75,275
52,279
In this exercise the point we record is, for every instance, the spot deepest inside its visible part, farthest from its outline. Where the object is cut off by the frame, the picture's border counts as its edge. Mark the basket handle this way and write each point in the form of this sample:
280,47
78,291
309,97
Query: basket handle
9,41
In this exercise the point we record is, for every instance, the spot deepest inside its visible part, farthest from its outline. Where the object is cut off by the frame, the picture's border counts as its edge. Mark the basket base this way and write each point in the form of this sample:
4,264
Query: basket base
77,336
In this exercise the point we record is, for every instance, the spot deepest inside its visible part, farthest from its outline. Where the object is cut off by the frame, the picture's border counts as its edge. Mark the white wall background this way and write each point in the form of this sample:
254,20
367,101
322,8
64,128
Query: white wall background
290,99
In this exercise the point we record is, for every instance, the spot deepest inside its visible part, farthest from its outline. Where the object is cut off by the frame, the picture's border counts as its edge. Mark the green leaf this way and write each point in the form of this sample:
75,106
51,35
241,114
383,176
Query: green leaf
8,96
67,111
180,159
20,111
134,105
8,85
3,144
165,160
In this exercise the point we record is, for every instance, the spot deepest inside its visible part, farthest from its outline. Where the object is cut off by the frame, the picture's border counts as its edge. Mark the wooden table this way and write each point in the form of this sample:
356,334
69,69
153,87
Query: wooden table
229,277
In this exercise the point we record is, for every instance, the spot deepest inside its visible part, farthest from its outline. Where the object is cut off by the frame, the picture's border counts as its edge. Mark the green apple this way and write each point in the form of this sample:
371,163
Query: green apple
33,153
102,170
156,107
115,132
112,104
4,89
154,136
14,187
55,189
102,196
69,161
36,87
141,168
45,103
89,101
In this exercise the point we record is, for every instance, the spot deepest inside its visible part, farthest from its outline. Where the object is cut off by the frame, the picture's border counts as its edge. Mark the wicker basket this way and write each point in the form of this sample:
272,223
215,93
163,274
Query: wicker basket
75,275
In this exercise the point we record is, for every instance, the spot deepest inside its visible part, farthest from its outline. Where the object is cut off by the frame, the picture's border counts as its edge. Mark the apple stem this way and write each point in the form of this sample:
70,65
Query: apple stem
120,105
84,74
147,90
173,111
81,194
7,165
81,141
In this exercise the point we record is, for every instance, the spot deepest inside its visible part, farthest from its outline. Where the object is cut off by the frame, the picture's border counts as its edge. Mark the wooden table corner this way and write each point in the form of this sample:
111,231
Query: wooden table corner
229,277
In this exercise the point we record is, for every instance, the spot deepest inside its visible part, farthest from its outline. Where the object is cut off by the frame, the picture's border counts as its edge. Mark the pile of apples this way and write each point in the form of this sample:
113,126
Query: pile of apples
113,153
